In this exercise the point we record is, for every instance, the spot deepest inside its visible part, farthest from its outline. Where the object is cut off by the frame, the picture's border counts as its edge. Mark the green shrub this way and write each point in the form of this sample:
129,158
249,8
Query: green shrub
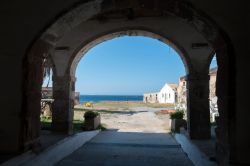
90,114
177,115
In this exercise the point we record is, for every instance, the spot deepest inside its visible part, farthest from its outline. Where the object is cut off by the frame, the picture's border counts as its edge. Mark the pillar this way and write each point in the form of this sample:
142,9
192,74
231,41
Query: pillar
31,96
225,130
62,107
198,114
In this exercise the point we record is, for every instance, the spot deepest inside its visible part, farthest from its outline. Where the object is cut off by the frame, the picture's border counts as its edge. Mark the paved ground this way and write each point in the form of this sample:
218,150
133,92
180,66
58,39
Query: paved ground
48,138
137,136
114,148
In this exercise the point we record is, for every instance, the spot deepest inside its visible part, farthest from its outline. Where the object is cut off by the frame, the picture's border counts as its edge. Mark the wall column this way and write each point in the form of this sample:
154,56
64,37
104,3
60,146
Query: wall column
62,108
198,113
31,96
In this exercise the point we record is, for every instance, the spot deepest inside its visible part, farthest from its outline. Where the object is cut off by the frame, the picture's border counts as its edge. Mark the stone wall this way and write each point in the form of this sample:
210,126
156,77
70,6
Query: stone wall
212,83
182,88
182,92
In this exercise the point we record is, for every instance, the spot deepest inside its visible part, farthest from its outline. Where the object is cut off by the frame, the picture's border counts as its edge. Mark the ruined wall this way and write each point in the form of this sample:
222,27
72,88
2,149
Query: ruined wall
212,84
182,92
150,98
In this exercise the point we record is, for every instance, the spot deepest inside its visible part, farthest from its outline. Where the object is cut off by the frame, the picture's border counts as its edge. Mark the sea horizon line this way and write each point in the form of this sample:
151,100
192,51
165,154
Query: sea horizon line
111,95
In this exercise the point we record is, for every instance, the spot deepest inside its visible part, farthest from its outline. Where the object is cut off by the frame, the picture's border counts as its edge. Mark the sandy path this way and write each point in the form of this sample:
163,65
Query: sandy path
143,120
138,122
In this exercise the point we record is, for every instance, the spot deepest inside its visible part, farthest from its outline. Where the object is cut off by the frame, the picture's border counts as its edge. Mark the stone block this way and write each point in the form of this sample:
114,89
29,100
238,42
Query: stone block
92,123
176,124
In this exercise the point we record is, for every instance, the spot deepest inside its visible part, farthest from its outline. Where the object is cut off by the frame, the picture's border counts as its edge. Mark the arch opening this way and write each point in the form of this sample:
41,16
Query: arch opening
217,40
167,102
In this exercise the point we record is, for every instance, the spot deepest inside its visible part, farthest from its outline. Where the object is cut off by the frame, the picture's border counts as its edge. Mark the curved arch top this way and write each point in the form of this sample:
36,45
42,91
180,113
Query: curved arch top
133,32
171,31
176,29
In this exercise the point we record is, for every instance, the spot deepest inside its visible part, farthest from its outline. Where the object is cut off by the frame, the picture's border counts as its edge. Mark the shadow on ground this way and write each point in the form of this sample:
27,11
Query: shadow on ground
113,148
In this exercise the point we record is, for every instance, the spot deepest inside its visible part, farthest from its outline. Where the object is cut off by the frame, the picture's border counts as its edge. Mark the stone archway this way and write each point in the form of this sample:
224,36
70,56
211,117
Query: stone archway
60,40
129,32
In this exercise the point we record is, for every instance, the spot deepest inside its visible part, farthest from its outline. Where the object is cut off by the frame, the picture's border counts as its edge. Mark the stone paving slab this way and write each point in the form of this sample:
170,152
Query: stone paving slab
113,136
136,145
53,153
111,148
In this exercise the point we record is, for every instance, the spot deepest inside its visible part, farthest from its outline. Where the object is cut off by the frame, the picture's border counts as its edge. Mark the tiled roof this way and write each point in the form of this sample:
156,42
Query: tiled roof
173,86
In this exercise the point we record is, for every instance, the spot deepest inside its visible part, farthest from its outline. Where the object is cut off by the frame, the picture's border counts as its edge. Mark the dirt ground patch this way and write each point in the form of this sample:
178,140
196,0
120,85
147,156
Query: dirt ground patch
129,117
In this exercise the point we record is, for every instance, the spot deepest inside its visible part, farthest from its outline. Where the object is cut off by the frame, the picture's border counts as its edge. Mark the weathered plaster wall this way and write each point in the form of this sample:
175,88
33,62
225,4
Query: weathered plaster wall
233,18
150,97
21,24
10,101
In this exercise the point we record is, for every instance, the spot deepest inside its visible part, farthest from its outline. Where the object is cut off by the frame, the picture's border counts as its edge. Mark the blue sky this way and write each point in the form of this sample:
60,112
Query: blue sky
128,66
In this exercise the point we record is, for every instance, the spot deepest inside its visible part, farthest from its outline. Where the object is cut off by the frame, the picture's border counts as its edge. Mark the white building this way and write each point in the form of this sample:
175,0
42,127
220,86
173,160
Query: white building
166,95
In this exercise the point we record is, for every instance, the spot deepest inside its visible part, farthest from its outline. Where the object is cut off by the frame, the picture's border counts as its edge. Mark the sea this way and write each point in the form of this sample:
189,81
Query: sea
102,98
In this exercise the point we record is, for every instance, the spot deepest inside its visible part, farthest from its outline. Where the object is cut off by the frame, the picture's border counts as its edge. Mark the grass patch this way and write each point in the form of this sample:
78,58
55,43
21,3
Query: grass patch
77,125
213,123
123,105
45,123
106,111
